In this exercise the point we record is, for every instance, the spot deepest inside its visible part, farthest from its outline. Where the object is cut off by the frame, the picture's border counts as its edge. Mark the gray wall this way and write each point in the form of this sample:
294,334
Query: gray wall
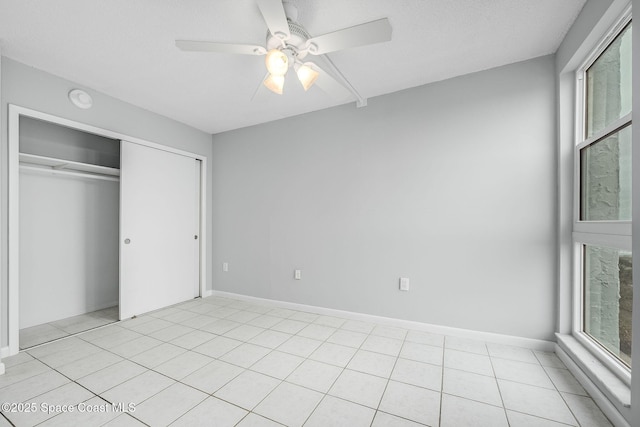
38,90
451,184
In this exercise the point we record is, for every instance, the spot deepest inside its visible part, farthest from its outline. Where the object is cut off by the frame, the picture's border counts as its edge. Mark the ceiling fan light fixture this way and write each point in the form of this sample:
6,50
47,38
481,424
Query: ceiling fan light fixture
274,83
288,43
277,62
306,75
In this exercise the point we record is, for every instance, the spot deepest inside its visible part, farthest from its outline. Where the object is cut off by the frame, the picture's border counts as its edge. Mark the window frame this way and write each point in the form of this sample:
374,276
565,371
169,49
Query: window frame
613,234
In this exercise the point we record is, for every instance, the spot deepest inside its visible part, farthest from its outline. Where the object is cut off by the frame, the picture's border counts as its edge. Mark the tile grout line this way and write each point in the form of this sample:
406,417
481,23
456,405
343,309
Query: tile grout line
249,369
307,358
104,398
71,381
388,379
325,394
573,414
444,347
533,385
7,420
152,369
546,419
68,334
143,366
326,340
495,377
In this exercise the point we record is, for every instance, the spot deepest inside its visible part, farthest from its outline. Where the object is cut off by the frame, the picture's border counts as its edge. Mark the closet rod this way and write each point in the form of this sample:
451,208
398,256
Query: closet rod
70,173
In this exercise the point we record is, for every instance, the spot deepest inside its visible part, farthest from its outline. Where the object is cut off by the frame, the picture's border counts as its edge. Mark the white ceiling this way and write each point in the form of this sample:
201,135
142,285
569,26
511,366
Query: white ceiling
125,48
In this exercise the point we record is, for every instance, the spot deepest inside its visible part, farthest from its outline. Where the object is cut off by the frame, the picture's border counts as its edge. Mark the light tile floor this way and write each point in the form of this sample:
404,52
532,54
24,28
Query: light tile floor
40,334
225,362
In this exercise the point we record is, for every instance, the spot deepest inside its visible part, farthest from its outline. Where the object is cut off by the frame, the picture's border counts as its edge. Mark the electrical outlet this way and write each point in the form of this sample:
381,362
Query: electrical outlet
297,274
225,266
404,283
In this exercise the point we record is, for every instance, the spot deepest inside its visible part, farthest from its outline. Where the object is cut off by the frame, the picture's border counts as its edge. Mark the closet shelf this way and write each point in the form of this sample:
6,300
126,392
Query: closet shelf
60,164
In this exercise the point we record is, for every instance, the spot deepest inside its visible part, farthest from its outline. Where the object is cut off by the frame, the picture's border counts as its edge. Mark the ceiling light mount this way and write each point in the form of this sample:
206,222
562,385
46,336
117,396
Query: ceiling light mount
80,99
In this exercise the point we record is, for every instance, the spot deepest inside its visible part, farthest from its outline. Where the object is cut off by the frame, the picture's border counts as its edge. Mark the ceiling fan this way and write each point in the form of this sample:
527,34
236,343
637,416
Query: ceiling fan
288,43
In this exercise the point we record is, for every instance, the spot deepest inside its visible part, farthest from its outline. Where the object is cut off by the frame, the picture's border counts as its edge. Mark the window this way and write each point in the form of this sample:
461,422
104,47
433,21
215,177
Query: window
602,227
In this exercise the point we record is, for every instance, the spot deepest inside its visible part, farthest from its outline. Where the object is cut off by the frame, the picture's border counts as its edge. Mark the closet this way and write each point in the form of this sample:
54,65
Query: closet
69,221
104,224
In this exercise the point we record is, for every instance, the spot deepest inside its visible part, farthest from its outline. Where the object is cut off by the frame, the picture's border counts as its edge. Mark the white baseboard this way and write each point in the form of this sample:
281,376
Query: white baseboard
4,352
533,344
207,293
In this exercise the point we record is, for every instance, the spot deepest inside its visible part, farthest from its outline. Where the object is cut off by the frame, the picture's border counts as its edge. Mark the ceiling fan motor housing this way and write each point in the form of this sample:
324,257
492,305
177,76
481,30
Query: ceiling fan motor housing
296,43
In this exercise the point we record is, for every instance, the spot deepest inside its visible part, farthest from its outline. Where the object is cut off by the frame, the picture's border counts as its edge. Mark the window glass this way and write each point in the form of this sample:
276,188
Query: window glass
608,83
605,178
603,198
608,299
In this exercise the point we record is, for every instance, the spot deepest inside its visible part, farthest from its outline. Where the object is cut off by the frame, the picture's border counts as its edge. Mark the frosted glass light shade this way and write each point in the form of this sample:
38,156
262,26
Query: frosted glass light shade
277,62
274,83
306,75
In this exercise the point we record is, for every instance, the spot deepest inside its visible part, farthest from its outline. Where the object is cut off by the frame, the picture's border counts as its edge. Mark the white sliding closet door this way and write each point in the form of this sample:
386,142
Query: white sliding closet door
159,205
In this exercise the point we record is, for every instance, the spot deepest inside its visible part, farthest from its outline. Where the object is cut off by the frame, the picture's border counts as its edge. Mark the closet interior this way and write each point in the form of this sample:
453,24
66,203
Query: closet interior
69,231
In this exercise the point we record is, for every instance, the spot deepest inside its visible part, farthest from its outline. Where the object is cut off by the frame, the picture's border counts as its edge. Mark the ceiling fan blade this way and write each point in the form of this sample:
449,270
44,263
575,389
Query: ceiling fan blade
200,46
275,17
360,35
328,84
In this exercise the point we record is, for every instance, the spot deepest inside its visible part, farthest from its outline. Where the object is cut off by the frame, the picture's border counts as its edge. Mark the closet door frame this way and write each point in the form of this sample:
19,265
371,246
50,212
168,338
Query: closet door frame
13,251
